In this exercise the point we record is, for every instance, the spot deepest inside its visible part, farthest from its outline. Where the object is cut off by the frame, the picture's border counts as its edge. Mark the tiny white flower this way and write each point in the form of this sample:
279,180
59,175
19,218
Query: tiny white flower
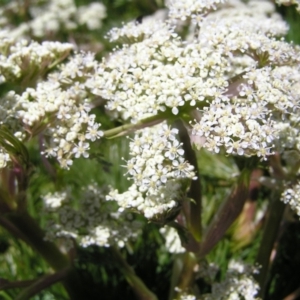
81,150
173,150
93,132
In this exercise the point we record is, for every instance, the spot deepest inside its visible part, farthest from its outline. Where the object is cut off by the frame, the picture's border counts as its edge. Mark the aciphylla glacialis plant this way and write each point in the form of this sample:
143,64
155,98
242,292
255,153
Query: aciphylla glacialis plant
201,78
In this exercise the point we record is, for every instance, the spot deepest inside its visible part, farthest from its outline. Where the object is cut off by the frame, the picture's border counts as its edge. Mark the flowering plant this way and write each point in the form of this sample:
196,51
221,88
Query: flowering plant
197,106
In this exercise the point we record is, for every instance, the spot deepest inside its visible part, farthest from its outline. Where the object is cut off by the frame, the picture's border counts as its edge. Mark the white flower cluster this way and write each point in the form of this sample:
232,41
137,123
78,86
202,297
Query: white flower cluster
159,73
185,9
187,297
236,71
238,284
8,105
59,107
291,196
94,222
54,201
91,15
9,12
264,12
75,73
49,17
172,240
7,118
54,16
158,170
23,62
4,159
260,90
134,32
68,125
288,128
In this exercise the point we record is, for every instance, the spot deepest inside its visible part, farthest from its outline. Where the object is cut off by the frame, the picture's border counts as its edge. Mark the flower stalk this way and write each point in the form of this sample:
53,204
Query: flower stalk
33,235
195,193
186,278
139,288
226,214
128,128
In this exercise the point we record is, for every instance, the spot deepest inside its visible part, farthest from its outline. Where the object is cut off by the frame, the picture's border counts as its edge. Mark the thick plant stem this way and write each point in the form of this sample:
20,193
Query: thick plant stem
34,237
186,277
275,213
41,284
195,192
138,286
226,214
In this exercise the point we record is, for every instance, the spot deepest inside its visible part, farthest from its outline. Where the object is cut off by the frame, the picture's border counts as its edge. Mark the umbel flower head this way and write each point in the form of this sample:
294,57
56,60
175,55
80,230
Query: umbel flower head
58,107
158,170
235,69
48,19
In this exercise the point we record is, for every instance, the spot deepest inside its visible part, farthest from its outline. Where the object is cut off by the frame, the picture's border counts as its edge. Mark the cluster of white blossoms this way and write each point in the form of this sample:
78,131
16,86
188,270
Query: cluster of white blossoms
236,71
238,284
137,32
59,107
47,18
91,15
94,221
4,158
71,126
263,11
158,170
187,297
67,126
172,240
234,68
191,9
159,73
24,62
291,196
261,90
52,17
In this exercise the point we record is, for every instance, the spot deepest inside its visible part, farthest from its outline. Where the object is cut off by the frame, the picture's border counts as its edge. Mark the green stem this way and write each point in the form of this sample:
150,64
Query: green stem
41,284
186,277
226,214
33,235
195,192
275,213
140,289
9,226
127,128
6,284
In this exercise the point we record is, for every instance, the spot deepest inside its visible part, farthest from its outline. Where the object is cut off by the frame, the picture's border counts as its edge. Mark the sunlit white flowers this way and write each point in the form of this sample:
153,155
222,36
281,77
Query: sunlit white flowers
158,170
